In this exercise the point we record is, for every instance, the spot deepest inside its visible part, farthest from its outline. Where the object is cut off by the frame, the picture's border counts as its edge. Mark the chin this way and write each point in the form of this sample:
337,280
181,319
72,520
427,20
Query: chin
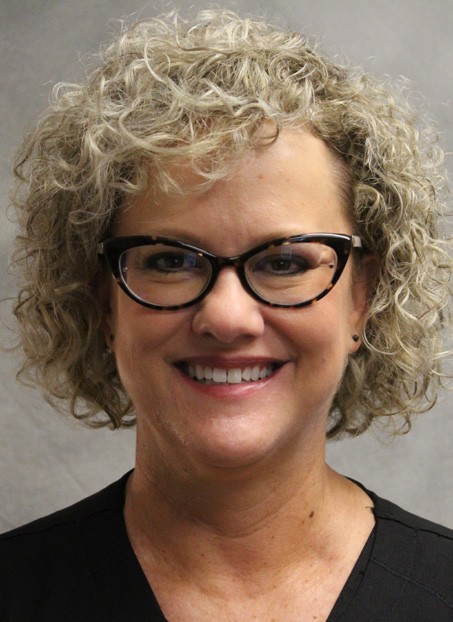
236,449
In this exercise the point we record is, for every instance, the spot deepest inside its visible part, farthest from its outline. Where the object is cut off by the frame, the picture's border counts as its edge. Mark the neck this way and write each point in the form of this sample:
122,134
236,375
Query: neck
236,520
226,501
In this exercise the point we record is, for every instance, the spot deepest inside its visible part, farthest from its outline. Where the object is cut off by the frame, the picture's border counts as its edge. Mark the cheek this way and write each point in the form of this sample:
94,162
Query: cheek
142,335
321,329
317,339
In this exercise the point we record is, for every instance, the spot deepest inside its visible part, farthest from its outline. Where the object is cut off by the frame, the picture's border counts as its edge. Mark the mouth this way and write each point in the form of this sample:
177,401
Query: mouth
205,374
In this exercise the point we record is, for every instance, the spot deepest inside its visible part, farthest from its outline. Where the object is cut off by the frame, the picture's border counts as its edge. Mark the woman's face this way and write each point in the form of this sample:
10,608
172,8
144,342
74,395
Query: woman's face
288,188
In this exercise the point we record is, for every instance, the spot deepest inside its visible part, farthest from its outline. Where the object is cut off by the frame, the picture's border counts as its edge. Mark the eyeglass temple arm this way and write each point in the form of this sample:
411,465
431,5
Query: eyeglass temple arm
356,242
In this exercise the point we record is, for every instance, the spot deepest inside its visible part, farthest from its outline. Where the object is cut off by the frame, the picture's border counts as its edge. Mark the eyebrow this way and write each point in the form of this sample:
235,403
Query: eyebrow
195,240
183,236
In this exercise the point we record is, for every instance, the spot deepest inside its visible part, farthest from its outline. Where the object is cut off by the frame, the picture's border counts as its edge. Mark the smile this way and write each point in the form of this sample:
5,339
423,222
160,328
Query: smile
205,374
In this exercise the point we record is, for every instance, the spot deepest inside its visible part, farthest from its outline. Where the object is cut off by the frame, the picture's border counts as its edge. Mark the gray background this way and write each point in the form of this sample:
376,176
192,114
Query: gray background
47,462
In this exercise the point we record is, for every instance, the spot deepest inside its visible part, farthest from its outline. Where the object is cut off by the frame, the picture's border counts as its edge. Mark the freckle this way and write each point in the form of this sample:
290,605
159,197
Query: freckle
261,176
312,514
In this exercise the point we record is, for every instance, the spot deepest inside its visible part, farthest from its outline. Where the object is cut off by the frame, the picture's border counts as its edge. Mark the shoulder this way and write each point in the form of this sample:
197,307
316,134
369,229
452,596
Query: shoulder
431,538
107,500
411,563
63,552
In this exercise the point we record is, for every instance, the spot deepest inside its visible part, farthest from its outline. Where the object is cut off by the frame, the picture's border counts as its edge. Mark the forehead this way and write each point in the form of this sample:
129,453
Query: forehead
294,185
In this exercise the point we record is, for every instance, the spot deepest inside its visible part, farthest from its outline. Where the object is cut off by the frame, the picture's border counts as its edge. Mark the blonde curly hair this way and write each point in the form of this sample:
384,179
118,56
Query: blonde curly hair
170,90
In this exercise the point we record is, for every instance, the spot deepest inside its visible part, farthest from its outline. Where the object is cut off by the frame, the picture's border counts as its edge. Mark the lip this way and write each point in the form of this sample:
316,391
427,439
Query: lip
229,363
228,390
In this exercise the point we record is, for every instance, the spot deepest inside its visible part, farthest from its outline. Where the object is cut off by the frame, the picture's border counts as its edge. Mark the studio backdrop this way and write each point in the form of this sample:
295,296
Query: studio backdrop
48,461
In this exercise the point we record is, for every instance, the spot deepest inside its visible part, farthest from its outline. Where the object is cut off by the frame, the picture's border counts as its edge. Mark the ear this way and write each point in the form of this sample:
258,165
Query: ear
104,296
364,278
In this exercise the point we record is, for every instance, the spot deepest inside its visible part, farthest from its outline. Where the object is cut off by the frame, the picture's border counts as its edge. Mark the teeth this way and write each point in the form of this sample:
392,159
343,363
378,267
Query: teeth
219,375
234,376
215,375
256,372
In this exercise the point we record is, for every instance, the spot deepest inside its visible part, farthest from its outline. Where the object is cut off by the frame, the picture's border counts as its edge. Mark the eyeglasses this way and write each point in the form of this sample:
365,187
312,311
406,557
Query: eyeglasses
161,273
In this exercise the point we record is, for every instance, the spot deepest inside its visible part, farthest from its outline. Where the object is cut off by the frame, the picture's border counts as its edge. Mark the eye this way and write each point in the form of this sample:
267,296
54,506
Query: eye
171,261
281,266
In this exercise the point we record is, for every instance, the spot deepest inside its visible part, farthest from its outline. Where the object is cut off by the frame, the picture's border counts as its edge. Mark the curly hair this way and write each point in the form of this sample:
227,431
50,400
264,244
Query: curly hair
169,91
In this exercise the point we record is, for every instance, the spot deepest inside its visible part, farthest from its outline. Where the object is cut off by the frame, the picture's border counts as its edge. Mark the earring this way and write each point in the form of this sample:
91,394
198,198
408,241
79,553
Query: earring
355,337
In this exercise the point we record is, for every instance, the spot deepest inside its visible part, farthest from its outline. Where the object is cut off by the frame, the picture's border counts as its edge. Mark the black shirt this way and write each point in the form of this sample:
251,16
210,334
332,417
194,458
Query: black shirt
78,565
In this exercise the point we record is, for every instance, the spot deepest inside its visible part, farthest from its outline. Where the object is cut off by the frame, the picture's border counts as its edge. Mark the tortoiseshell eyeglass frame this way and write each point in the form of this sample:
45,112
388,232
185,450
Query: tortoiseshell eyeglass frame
113,248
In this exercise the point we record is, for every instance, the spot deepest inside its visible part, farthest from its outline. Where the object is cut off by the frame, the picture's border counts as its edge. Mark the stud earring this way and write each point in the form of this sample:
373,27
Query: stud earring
355,338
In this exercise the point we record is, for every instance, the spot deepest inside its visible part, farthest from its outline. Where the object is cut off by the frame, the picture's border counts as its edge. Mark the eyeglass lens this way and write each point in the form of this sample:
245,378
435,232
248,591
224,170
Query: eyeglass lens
288,274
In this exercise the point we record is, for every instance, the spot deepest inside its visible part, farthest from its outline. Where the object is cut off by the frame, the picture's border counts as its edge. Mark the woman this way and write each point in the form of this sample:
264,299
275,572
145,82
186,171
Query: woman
234,241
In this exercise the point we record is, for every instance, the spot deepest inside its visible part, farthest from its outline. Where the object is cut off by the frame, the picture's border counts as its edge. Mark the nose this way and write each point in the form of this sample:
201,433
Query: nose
228,312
